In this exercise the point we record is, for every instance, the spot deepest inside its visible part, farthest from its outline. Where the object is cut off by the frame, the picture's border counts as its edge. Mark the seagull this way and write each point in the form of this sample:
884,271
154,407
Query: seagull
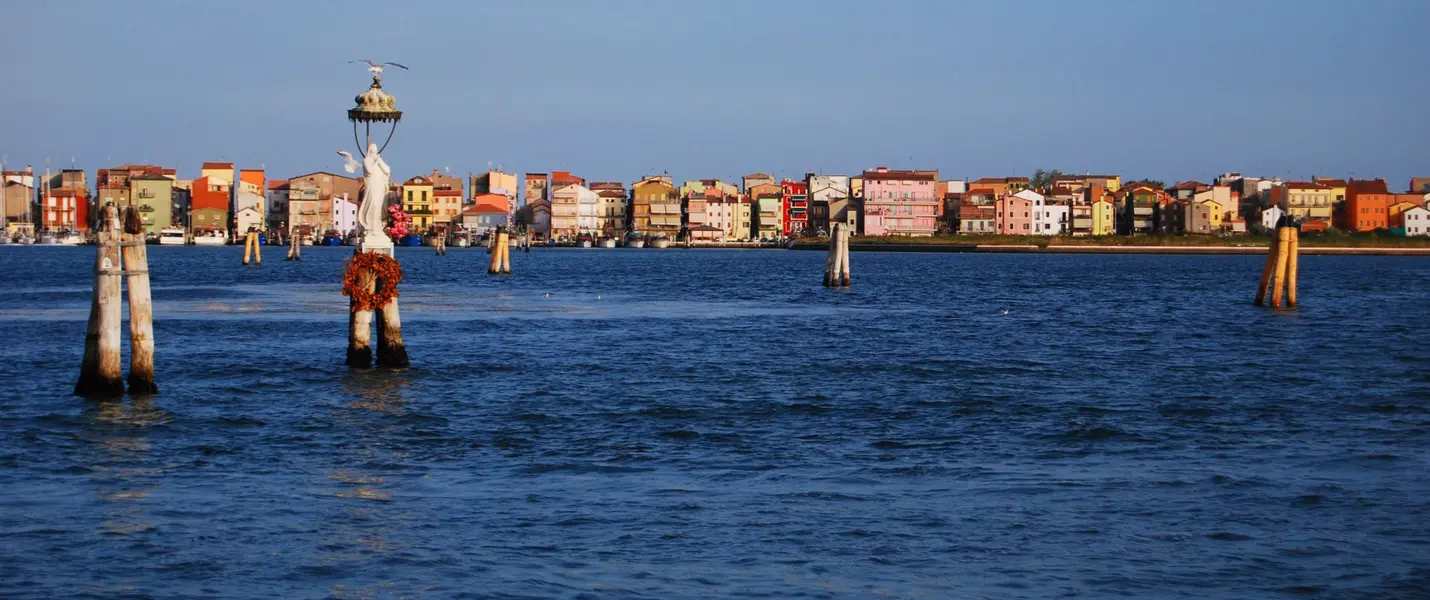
351,164
598,296
376,68
546,295
1004,312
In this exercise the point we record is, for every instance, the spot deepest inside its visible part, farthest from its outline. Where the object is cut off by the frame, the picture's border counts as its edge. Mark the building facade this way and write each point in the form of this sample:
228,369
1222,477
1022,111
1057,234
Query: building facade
655,207
900,202
611,214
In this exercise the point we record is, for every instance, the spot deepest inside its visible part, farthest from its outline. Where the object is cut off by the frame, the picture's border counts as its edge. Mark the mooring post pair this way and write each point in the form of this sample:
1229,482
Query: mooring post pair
99,374
1282,263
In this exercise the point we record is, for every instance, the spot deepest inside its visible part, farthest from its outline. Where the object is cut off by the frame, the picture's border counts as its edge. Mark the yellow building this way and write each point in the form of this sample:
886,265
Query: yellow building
417,202
219,173
744,218
1104,216
1304,200
1110,183
446,206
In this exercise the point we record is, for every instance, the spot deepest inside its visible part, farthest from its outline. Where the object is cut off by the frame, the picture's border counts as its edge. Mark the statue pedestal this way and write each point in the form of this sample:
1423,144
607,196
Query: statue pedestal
379,243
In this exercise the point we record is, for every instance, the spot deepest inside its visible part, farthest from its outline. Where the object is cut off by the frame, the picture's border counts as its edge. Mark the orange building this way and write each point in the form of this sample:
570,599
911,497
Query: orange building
1367,206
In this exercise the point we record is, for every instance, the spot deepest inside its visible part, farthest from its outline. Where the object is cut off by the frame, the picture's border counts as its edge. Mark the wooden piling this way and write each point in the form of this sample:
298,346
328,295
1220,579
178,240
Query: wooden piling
1268,269
141,308
1278,283
360,327
99,373
831,257
494,267
390,350
506,253
251,249
295,251
1292,255
844,257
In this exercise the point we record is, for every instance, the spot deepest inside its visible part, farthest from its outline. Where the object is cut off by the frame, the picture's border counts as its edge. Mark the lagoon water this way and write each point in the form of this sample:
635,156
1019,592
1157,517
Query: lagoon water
716,424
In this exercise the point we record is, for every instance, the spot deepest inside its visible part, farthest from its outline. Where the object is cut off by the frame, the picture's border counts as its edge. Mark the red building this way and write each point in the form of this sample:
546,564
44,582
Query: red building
795,195
64,209
1367,206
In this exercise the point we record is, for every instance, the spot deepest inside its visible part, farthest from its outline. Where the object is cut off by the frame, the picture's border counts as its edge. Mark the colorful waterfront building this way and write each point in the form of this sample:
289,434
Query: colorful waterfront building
154,197
611,216
487,212
1104,212
900,202
769,214
1366,207
655,207
277,204
344,217
1309,202
537,203
208,205
417,202
1001,185
446,205
1417,221
829,201
754,180
1013,215
795,199
588,210
64,209
310,200
1140,209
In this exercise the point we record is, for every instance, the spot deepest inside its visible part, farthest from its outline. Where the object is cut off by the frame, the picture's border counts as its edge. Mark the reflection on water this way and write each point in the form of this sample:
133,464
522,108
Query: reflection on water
122,471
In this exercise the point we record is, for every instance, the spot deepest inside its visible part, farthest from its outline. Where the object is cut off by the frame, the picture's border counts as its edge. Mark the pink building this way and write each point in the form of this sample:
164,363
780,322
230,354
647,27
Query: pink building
1013,215
900,202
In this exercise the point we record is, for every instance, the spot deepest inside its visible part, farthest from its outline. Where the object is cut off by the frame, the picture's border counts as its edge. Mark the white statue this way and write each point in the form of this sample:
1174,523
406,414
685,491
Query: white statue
372,211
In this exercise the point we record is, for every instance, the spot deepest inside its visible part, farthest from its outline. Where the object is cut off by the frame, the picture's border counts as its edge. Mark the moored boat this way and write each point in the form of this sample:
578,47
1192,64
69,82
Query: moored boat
608,242
72,238
460,239
24,240
635,240
209,236
410,239
172,236
660,242
332,238
47,239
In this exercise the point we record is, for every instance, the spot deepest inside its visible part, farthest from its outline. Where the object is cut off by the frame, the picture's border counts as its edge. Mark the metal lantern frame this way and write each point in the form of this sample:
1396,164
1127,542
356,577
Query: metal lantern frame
366,118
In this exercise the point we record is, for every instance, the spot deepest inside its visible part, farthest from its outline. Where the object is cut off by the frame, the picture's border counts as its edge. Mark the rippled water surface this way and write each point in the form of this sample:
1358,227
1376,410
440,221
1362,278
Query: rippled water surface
716,424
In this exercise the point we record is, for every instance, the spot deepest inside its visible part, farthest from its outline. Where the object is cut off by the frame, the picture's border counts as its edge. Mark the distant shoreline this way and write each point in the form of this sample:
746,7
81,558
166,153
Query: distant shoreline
1110,249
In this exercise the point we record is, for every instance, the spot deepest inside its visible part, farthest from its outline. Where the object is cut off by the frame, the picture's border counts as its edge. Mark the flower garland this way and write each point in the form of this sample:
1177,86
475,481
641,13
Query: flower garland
387,271
400,221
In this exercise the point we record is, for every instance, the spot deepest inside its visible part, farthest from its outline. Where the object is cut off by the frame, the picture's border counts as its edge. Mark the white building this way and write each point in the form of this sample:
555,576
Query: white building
1271,216
344,217
588,210
1055,220
1417,221
249,210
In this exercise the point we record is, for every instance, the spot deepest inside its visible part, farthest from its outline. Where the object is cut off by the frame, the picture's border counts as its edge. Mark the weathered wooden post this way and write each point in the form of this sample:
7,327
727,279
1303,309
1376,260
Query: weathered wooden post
141,308
831,259
506,252
844,279
390,350
295,251
1278,283
1292,265
1268,270
360,323
99,372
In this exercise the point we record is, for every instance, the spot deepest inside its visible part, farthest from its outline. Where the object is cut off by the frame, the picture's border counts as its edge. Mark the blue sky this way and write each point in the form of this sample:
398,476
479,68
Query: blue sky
616,89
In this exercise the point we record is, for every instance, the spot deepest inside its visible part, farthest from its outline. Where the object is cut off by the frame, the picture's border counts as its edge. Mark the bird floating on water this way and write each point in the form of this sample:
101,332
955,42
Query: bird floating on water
546,295
1005,311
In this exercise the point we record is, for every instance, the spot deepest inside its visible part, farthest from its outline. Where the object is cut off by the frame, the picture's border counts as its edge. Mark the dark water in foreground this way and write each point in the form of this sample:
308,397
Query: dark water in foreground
718,425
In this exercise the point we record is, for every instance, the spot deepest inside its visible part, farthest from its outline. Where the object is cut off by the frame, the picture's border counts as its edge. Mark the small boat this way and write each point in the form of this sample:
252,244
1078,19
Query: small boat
24,240
5,238
410,239
660,242
635,240
47,239
608,242
332,238
352,239
172,236
210,237
460,239
72,238
584,241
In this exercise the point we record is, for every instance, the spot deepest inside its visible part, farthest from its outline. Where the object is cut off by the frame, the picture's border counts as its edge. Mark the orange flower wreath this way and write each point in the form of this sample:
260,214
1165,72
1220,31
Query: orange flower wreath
388,273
